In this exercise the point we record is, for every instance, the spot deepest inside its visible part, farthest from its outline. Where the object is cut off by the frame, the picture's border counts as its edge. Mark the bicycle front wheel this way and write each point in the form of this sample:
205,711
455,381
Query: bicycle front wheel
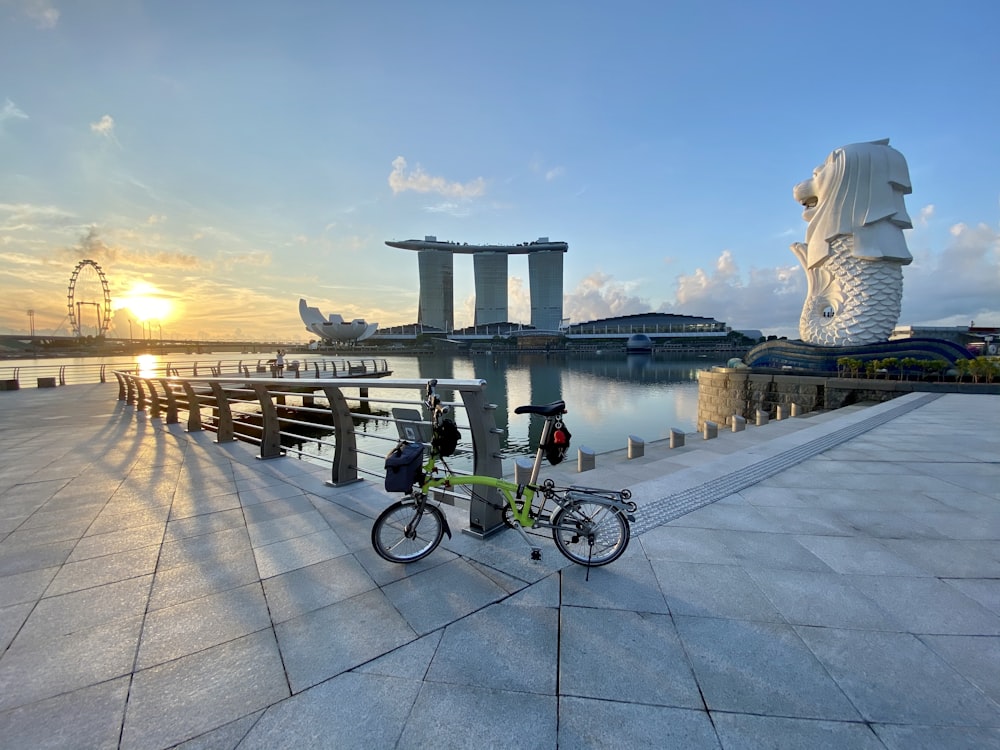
590,533
407,531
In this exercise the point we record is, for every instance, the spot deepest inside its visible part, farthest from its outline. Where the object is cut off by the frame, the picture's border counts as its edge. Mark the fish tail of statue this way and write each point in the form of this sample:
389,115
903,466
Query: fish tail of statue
855,248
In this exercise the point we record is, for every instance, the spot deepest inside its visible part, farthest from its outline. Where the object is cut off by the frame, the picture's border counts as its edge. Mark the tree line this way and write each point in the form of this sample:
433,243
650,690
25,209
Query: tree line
978,370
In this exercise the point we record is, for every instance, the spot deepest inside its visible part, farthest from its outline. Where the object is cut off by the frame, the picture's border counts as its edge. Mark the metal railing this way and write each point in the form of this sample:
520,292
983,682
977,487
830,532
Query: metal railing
99,372
310,417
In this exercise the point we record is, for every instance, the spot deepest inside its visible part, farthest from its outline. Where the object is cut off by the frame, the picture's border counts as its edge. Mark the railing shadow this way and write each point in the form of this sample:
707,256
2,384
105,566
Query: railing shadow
311,417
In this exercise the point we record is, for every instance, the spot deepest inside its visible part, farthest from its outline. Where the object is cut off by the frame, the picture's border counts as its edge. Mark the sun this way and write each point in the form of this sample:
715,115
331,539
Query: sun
145,302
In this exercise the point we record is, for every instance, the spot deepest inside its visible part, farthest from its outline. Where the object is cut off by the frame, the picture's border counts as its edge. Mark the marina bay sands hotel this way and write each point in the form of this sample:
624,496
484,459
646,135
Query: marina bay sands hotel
437,269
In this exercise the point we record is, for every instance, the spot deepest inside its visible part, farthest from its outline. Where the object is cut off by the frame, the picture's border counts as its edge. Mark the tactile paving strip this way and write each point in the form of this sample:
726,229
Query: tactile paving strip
664,510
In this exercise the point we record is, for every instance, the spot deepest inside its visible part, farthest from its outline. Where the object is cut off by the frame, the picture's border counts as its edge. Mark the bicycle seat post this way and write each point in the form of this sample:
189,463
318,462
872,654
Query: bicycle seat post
542,442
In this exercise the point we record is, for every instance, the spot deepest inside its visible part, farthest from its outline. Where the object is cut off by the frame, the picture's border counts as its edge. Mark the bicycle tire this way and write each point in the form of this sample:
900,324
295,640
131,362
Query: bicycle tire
407,531
590,533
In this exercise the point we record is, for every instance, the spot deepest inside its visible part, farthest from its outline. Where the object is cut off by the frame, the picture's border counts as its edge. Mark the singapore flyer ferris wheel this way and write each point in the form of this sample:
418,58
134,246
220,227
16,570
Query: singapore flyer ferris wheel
83,288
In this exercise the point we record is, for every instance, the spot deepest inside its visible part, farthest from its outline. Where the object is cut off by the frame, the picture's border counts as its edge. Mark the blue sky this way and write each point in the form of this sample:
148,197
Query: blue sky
220,160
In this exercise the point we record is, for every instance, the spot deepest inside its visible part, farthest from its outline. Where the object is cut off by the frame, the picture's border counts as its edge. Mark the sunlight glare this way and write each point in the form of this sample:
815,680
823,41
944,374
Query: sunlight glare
147,365
145,302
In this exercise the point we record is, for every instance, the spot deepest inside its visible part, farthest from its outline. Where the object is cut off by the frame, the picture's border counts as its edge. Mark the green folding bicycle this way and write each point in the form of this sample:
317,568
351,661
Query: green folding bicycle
590,526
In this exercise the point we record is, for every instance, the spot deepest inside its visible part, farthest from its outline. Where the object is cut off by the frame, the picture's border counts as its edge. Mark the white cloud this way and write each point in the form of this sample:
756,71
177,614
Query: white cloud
420,182
960,283
554,173
104,127
29,217
11,111
947,287
601,296
42,12
518,300
770,299
926,213
450,208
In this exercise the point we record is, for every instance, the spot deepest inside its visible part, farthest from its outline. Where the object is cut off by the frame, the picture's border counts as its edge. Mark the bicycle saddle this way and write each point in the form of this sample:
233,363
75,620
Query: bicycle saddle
548,410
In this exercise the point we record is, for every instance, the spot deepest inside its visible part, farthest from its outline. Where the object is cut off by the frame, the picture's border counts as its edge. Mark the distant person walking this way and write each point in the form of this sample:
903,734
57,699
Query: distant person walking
279,363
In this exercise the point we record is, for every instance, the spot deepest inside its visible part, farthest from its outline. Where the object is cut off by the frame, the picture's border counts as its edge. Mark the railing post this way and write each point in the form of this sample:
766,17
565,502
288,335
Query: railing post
154,400
194,408
270,437
140,401
168,392
103,374
484,519
224,432
345,462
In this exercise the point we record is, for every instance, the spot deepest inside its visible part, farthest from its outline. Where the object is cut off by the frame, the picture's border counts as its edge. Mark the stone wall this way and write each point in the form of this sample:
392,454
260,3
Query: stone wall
723,392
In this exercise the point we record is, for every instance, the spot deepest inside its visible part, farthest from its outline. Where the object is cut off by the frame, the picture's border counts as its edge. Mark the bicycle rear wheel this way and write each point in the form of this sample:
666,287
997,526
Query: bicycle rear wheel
590,533
407,531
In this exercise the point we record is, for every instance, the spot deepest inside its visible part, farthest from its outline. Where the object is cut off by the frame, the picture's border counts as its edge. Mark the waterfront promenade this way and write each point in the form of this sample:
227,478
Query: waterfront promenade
829,581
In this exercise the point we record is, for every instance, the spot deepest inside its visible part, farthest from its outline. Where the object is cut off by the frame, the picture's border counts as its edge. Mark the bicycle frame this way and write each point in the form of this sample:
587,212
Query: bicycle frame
527,516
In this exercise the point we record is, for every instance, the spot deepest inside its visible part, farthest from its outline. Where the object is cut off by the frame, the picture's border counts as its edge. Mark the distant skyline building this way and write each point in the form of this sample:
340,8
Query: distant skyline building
437,293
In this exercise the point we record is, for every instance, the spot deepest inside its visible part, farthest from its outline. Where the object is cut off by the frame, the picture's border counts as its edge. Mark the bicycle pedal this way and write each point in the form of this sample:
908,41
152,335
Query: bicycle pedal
536,553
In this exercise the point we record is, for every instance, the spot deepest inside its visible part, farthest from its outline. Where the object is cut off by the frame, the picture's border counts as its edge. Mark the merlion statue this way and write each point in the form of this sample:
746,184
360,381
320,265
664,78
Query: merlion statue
854,251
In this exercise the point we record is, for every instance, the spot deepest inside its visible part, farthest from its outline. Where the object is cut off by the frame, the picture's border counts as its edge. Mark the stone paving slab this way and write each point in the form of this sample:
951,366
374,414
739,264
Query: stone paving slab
158,589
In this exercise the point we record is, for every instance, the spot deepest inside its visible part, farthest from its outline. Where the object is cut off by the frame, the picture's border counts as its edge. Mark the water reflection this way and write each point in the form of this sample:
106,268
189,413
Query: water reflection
147,365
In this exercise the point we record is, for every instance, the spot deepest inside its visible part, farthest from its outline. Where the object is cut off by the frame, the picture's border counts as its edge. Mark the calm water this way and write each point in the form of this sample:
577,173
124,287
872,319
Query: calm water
609,397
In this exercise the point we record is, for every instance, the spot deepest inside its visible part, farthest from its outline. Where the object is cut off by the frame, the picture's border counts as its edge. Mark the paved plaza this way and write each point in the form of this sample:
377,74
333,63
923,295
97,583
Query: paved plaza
828,581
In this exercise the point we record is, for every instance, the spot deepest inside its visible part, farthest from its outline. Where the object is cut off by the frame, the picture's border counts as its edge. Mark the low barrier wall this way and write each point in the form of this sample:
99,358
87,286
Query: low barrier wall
724,392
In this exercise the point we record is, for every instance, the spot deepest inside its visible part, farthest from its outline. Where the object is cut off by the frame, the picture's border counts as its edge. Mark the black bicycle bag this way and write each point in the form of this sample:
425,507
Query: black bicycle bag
403,467
558,443
446,437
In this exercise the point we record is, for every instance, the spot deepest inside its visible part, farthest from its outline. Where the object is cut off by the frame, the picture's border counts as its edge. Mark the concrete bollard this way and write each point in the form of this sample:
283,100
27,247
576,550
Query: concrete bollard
522,470
676,438
710,430
796,410
781,412
762,417
636,447
739,423
586,459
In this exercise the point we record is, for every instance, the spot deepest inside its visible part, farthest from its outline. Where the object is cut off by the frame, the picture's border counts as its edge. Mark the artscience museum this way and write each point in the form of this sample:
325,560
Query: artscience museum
334,329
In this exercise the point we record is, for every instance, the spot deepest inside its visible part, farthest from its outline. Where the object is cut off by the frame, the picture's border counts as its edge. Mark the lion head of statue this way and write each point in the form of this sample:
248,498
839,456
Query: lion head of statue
858,191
